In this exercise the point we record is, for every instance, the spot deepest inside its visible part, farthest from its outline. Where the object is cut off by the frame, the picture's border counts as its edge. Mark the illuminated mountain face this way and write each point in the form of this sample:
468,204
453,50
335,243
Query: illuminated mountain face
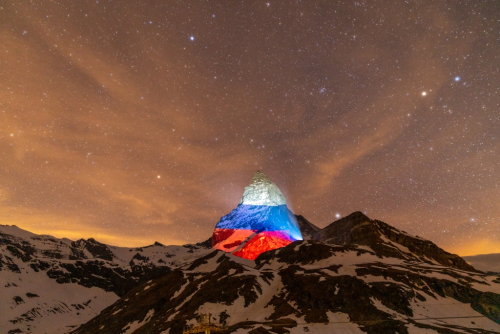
261,222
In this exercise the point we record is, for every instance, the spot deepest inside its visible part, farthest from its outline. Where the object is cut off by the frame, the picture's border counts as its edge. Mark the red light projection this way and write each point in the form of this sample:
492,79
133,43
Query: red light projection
228,240
263,242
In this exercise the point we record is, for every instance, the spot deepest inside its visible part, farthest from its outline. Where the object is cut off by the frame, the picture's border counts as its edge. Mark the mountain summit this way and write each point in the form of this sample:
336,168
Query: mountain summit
356,275
262,191
261,222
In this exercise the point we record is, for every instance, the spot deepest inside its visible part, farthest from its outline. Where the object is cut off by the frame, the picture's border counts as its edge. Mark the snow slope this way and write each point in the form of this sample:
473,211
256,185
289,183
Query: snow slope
51,285
311,286
485,262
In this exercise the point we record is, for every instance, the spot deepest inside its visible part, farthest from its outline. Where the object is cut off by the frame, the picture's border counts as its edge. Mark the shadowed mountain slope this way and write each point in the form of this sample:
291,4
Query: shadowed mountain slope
386,240
361,276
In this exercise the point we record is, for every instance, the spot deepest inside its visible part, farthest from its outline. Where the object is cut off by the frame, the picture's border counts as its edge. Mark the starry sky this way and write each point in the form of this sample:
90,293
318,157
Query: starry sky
141,121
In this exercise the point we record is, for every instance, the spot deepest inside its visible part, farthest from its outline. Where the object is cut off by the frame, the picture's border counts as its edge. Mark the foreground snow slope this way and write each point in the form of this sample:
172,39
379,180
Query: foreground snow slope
356,275
50,285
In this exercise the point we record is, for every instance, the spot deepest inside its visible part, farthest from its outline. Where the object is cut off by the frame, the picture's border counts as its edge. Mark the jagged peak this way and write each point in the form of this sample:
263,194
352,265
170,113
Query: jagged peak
358,215
260,177
262,191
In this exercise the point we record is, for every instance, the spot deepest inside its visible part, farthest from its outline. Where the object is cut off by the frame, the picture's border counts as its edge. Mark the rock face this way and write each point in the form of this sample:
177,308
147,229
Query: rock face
361,230
262,191
261,222
50,285
307,228
309,286
359,276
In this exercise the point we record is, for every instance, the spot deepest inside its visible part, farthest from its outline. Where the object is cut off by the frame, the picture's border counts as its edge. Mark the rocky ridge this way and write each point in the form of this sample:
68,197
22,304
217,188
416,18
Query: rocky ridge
358,276
45,278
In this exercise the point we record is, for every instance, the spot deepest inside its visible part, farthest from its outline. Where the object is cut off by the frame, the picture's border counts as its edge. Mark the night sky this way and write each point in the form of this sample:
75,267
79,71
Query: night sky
141,121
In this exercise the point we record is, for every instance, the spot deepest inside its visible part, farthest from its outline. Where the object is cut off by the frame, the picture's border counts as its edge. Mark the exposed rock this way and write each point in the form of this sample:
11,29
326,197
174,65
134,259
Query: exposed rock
59,276
361,273
359,229
262,191
308,284
307,228
261,222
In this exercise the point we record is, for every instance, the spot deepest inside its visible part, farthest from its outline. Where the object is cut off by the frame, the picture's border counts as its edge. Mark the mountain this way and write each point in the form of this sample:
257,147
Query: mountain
261,222
307,228
485,262
356,275
387,241
50,285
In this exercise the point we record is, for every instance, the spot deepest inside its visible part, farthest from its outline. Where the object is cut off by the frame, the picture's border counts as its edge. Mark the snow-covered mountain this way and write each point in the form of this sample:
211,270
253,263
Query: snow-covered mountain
485,262
261,222
357,275
50,285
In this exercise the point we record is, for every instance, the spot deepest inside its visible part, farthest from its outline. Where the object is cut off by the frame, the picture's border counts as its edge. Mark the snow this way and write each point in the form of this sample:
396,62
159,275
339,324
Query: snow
450,312
173,256
56,307
61,307
170,317
412,329
16,231
178,292
258,311
400,247
211,264
340,325
53,311
262,192
484,262
131,327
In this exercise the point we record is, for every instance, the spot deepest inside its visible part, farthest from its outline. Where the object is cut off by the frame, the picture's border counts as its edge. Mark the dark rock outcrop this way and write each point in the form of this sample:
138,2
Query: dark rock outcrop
307,228
303,280
359,229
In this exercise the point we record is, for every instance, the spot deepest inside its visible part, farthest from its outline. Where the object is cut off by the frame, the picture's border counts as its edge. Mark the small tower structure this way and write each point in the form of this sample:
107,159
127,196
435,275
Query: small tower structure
205,325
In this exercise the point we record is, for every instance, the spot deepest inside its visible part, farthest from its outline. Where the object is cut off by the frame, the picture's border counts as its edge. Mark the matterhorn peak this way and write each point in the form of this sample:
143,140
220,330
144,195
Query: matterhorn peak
262,191
261,221
260,177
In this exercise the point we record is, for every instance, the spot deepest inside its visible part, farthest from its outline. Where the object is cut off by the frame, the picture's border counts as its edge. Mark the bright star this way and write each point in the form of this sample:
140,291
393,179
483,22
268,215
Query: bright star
457,78
424,93
191,38
337,215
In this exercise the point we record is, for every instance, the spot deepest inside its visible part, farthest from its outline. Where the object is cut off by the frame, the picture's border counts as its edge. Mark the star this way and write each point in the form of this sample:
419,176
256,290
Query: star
336,106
